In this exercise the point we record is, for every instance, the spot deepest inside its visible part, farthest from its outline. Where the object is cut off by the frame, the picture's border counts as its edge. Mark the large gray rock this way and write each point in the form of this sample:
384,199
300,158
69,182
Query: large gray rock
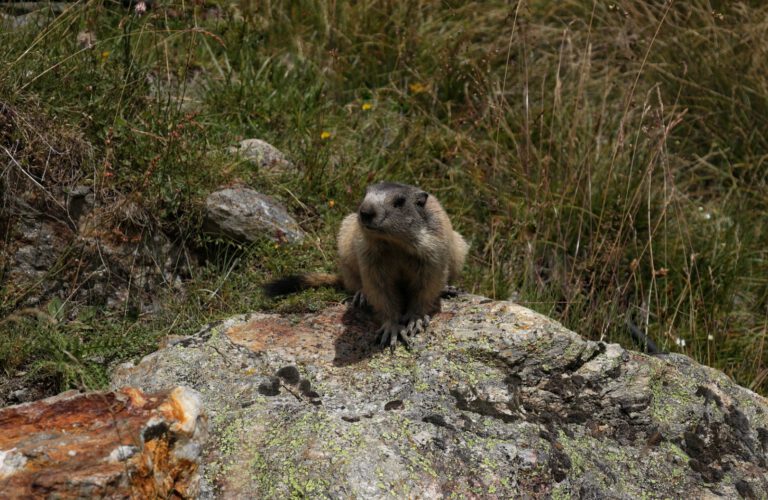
495,401
243,214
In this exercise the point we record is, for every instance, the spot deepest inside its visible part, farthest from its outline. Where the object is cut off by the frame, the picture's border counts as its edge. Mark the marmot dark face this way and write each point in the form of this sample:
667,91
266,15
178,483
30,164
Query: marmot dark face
392,210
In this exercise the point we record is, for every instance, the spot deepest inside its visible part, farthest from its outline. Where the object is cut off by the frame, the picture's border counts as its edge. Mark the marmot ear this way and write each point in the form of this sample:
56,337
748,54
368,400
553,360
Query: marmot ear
421,198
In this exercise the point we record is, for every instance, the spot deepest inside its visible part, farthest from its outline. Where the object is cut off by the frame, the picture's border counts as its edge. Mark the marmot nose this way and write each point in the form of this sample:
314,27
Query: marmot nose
367,214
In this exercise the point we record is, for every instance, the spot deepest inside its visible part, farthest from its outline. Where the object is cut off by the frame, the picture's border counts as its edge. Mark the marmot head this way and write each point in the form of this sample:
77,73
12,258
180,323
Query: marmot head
391,210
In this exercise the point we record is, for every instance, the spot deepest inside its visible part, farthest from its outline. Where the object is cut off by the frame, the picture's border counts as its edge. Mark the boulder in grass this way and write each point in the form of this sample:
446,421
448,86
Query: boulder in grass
245,215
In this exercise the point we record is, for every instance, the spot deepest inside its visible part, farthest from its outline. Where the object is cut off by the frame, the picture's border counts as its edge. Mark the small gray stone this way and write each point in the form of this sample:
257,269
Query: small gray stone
19,395
245,215
80,200
12,23
262,154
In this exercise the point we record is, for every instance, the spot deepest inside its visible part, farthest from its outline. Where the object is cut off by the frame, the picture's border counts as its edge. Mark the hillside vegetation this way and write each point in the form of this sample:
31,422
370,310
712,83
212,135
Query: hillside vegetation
607,161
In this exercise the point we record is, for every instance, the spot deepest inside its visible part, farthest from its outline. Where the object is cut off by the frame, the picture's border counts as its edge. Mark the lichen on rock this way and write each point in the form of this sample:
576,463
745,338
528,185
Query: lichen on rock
494,401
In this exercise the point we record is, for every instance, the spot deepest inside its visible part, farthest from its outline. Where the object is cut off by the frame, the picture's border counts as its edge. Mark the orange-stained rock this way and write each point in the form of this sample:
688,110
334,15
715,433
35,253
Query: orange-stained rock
121,444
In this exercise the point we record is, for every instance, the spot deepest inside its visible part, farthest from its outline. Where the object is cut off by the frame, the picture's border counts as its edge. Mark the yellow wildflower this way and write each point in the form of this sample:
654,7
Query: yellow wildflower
105,55
325,135
331,203
366,106
417,88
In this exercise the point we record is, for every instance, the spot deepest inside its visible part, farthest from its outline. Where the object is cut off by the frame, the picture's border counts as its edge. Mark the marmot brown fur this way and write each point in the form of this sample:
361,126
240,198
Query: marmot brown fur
397,254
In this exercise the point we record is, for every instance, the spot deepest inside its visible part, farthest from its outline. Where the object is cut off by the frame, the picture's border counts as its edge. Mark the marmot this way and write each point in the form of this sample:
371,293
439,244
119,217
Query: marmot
397,254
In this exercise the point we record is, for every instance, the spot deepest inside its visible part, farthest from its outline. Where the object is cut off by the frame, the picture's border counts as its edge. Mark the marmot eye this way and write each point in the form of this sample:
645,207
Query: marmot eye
399,202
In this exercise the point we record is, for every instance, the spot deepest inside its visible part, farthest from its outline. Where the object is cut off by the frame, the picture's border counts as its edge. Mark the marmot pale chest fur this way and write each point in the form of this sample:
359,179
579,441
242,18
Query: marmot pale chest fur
397,254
